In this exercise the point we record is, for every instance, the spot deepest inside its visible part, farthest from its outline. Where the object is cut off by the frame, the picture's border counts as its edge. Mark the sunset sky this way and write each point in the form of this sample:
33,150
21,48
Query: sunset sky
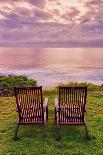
66,21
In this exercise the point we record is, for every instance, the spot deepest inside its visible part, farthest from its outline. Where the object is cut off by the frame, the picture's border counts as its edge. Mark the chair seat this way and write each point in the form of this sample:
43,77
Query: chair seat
72,123
30,113
31,121
71,106
68,119
71,113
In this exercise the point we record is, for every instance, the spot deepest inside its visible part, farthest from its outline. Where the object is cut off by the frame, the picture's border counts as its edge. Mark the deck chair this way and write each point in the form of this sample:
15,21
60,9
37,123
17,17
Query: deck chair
70,107
30,107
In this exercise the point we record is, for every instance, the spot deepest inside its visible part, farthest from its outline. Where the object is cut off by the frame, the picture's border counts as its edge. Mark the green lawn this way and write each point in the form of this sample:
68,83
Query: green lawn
72,140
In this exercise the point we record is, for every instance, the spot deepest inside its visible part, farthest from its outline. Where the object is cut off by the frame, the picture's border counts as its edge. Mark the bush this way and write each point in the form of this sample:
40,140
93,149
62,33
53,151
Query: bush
90,86
9,82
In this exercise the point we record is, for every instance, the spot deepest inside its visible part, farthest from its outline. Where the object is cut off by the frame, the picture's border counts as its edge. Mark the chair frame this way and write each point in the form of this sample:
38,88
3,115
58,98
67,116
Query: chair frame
44,117
61,120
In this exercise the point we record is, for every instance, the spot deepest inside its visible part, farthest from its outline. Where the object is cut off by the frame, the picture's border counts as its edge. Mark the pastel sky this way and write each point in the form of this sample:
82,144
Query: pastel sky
59,21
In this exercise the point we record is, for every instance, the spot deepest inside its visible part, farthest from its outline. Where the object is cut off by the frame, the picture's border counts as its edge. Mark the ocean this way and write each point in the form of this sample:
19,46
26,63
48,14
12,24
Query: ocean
52,66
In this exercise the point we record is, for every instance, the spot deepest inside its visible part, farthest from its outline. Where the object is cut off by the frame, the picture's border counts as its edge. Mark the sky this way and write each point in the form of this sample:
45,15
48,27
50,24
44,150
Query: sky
51,21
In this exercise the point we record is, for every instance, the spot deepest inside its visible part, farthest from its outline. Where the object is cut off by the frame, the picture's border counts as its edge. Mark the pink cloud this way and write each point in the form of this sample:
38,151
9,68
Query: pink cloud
38,3
33,23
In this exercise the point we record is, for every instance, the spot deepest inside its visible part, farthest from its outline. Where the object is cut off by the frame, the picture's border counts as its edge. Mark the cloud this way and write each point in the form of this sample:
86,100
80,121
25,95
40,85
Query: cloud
94,13
29,21
21,17
71,15
52,32
38,3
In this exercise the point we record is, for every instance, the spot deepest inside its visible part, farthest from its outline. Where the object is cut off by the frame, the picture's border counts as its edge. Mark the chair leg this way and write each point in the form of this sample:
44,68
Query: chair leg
45,121
86,132
15,138
58,137
47,113
44,132
55,114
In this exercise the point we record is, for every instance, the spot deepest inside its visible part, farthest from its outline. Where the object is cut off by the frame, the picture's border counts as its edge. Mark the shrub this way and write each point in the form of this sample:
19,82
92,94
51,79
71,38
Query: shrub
90,86
9,82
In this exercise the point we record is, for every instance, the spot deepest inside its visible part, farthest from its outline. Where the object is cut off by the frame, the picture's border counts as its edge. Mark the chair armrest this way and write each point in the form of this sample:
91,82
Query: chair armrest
56,104
45,108
16,108
45,104
56,111
85,108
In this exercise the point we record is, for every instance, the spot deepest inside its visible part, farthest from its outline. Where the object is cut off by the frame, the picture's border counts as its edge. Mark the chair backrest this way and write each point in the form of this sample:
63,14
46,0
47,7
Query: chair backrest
72,101
29,102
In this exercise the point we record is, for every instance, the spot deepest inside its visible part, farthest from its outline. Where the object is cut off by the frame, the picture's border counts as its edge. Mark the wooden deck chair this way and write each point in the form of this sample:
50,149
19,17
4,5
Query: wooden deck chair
30,107
70,107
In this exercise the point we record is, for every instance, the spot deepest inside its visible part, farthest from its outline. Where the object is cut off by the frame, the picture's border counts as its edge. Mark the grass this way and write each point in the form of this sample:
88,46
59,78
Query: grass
72,140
